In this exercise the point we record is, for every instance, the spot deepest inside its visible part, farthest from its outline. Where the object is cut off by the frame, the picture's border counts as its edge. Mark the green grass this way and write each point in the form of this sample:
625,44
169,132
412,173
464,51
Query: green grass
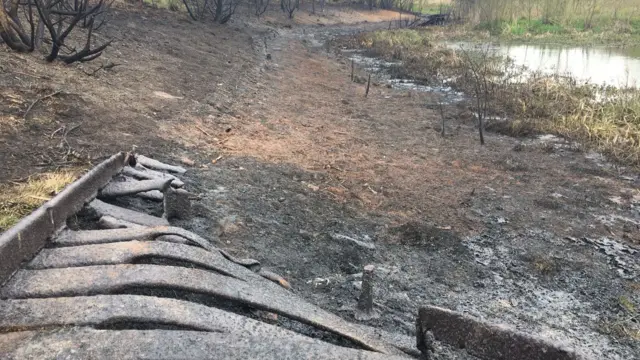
610,22
430,9
535,27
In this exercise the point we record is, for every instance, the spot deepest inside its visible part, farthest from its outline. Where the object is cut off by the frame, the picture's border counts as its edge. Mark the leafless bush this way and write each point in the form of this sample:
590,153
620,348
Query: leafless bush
259,6
220,11
289,6
23,25
489,78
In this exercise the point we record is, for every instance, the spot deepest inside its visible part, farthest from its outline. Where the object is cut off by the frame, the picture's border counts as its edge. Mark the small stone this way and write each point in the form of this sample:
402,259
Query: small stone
185,160
320,283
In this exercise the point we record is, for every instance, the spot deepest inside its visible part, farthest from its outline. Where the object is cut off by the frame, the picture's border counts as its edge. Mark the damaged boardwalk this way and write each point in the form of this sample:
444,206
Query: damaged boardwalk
111,289
126,284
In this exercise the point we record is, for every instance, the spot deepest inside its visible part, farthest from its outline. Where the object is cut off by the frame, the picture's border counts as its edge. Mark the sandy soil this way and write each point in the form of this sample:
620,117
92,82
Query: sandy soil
290,157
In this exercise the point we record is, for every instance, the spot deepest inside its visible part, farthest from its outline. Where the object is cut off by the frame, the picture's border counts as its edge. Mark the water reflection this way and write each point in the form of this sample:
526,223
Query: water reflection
597,65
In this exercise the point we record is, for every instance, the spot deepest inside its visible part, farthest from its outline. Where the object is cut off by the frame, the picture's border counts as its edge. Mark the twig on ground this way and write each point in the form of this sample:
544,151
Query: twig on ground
203,131
38,100
102,67
216,159
25,74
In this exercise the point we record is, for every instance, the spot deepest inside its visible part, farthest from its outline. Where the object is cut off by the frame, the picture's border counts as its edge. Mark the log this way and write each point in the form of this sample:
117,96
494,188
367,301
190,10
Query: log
140,172
251,264
109,222
117,212
85,237
132,187
155,164
154,195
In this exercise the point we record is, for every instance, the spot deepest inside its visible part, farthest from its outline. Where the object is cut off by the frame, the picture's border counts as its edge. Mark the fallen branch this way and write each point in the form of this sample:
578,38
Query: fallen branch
102,67
201,129
366,245
38,100
216,159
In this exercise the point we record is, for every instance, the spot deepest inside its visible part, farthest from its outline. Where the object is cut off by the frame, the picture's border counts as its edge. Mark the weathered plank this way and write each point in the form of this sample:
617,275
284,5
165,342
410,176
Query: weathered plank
84,343
109,279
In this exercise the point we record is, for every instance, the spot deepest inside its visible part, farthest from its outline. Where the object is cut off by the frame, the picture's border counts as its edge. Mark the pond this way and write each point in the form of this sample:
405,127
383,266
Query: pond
619,67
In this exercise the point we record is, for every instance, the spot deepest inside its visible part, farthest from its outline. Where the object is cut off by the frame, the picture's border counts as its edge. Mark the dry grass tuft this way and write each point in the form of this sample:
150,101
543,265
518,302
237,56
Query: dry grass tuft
545,266
627,326
19,199
606,119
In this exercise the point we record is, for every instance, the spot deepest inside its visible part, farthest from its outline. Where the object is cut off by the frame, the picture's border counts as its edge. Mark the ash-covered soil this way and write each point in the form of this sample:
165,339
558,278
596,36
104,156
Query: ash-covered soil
561,289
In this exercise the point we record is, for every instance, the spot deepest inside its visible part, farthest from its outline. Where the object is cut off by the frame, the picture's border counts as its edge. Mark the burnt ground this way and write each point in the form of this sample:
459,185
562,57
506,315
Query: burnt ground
289,157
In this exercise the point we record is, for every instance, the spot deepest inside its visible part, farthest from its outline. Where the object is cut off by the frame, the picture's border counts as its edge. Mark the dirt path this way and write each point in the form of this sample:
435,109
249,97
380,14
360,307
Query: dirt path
529,232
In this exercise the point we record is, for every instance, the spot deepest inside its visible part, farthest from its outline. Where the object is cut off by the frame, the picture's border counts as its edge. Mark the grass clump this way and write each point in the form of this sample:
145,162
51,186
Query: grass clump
19,199
421,57
626,325
397,43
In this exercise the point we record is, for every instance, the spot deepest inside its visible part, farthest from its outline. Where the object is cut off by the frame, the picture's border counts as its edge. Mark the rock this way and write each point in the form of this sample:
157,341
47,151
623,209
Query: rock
185,160
320,283
357,285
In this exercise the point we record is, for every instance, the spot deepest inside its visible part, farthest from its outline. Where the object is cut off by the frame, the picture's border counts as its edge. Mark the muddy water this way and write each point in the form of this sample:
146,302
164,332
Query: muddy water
597,65
384,72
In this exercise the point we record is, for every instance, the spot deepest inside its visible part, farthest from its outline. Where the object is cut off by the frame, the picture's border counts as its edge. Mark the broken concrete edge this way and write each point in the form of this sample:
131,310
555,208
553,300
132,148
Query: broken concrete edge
24,239
485,340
